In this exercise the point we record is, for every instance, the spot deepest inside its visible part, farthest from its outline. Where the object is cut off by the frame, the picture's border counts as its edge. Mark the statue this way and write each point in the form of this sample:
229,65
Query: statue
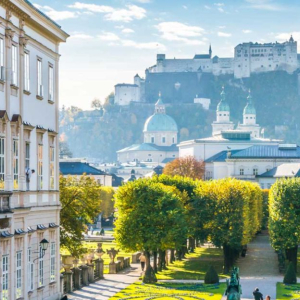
234,289
99,251
112,254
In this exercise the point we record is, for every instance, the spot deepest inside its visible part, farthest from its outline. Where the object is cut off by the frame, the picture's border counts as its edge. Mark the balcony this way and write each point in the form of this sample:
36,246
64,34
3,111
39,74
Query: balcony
245,177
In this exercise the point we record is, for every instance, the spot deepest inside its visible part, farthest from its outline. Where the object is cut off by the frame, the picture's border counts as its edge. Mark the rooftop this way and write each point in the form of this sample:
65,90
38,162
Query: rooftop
149,147
284,170
78,168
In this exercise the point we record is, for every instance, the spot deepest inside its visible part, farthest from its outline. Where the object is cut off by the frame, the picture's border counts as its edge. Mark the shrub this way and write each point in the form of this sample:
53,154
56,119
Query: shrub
290,275
211,276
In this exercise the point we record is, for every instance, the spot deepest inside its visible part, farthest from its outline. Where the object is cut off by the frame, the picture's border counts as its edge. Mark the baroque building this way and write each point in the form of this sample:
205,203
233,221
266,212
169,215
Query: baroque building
160,139
29,173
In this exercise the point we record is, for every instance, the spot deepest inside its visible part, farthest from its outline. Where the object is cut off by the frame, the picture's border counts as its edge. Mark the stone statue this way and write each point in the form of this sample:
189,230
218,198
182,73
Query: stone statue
234,289
99,251
112,254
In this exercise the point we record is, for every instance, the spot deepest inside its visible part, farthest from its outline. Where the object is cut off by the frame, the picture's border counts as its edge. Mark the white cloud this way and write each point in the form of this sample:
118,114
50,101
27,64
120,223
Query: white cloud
219,4
222,27
56,15
81,36
207,7
128,14
264,5
149,45
285,36
128,30
220,9
143,1
108,36
224,34
246,31
184,6
175,31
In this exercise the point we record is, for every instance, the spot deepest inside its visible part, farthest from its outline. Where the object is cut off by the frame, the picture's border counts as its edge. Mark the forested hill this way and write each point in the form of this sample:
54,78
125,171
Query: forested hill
93,134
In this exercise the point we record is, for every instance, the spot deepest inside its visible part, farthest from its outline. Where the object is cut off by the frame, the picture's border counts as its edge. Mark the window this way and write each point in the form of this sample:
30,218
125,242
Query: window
255,171
163,139
52,159
52,262
152,140
2,163
41,267
173,140
16,163
19,275
27,155
26,72
14,65
30,269
241,171
269,185
51,83
39,78
262,185
40,167
1,59
5,277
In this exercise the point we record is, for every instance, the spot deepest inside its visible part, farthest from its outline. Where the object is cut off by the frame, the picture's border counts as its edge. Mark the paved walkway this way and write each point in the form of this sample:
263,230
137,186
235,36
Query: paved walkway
107,287
259,268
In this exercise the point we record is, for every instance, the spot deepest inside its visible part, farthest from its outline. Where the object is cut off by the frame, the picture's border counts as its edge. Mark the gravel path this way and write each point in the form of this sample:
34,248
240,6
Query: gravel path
259,268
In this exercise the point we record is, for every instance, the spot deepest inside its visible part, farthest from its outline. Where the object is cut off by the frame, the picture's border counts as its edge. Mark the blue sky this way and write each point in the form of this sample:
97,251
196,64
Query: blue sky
112,40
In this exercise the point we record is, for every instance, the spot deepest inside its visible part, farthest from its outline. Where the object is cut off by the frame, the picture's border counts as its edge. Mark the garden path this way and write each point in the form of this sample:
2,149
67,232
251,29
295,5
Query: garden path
259,268
106,288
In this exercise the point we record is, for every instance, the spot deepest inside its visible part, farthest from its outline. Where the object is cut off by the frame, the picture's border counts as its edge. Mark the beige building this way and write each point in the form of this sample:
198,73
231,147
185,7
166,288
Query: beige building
29,202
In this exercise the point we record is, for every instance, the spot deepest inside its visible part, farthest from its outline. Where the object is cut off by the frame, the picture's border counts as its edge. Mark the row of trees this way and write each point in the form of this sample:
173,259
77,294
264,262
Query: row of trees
82,199
284,218
161,213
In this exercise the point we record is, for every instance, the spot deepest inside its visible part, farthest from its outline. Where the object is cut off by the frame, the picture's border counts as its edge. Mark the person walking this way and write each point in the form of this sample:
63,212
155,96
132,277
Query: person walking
142,261
268,297
257,294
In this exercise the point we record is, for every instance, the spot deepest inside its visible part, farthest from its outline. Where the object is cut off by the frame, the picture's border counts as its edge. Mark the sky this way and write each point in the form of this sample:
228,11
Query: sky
113,40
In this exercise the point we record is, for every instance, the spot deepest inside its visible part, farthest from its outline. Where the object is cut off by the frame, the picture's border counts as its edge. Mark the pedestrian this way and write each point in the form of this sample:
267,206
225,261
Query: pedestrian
257,294
268,297
28,174
143,261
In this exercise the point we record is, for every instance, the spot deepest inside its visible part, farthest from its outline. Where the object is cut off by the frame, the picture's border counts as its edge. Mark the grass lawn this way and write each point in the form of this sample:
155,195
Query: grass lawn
195,266
139,291
287,291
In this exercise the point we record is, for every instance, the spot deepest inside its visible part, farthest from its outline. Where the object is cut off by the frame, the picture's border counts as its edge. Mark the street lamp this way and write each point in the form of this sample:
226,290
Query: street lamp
43,247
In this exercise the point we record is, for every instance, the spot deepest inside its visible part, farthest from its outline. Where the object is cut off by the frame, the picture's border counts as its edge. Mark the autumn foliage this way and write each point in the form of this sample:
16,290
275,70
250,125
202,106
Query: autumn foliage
187,166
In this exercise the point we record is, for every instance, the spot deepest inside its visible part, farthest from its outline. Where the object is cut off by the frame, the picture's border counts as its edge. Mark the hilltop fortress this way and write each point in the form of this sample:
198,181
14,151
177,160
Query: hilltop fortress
186,79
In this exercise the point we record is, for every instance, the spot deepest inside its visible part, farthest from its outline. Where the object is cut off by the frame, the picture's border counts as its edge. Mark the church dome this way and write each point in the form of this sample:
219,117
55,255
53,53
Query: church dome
223,105
160,121
249,108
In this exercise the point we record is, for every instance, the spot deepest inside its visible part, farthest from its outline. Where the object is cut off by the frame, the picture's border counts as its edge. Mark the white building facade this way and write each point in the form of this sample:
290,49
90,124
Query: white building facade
29,211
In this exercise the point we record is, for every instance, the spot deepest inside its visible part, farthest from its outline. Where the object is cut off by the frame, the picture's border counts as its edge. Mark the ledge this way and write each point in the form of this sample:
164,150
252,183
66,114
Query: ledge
14,87
39,97
52,283
41,288
50,101
26,92
30,293
2,81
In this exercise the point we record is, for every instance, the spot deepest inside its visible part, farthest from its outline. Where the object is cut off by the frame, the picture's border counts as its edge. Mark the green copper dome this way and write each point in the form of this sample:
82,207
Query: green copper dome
249,108
223,105
159,121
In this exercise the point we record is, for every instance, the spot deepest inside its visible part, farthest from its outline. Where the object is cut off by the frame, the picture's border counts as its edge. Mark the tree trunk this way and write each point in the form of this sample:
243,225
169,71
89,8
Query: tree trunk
149,275
163,258
155,261
172,256
191,244
227,251
291,255
159,263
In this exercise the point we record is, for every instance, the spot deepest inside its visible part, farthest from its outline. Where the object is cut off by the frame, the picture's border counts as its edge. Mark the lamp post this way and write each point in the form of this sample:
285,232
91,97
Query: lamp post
43,247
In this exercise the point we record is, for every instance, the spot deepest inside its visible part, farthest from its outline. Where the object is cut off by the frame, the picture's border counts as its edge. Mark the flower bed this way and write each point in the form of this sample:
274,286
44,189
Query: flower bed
287,291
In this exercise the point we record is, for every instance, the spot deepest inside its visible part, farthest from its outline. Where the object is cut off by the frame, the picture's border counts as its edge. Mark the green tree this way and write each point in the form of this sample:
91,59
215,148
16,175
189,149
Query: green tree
96,104
107,201
284,219
147,214
80,199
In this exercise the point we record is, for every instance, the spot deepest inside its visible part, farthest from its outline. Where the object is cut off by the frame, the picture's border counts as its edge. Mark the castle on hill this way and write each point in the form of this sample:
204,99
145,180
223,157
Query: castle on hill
186,79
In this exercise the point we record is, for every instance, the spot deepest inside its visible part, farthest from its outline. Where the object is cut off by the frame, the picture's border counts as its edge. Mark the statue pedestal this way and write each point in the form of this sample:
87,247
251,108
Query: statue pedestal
112,268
